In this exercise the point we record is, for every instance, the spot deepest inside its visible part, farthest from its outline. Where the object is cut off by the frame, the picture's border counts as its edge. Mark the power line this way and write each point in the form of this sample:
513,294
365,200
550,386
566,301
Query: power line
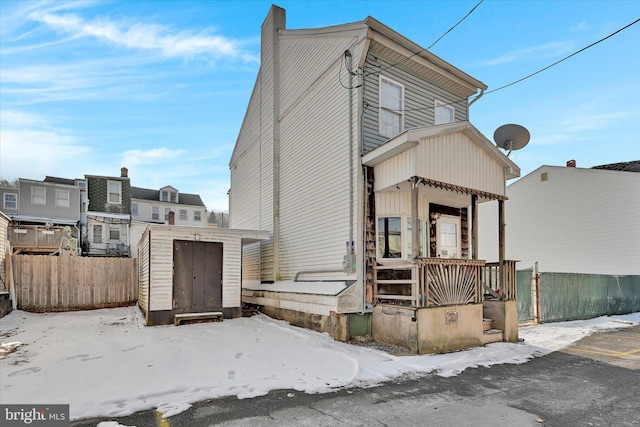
432,44
563,59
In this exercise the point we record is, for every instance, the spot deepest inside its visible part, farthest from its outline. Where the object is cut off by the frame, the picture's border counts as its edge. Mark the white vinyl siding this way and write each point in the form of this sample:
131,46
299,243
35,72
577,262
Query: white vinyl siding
391,111
38,196
577,221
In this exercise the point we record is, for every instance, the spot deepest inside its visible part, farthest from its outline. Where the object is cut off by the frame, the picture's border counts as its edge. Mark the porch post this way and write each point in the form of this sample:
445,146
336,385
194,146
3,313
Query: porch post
501,239
415,222
474,226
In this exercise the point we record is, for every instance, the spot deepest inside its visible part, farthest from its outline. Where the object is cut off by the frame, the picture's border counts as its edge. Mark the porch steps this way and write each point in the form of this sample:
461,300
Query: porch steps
184,317
489,334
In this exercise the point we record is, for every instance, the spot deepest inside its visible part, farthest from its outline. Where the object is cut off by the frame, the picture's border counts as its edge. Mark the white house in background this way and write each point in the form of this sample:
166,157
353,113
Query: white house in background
356,143
571,220
164,206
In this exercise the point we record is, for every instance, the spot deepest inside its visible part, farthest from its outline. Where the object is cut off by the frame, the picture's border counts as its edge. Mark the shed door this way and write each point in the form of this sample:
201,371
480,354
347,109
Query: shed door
197,275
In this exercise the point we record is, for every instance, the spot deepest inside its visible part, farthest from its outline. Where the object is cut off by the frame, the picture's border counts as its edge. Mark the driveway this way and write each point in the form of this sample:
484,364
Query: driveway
595,382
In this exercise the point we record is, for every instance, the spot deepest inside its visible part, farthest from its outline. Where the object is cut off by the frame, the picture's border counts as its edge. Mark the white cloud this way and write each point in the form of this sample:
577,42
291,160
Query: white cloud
146,37
546,50
153,156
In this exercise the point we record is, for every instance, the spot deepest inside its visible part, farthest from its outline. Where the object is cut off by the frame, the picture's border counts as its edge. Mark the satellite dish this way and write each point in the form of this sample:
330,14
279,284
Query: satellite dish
511,137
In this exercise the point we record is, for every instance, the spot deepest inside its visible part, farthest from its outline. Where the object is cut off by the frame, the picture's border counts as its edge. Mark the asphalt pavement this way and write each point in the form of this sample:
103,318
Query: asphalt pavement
594,382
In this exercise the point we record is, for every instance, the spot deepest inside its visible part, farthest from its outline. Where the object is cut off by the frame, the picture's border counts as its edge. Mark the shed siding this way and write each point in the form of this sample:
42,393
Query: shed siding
419,96
577,221
315,180
143,272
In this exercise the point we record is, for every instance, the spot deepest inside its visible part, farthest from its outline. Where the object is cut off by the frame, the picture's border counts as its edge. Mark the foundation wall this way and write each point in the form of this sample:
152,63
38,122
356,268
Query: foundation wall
395,325
335,324
449,328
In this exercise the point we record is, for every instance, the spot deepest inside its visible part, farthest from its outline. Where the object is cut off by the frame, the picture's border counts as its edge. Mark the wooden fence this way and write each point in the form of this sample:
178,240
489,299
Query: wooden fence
57,283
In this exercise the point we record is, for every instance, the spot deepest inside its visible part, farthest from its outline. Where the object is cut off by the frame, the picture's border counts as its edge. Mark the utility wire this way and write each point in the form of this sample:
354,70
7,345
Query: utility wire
432,44
563,59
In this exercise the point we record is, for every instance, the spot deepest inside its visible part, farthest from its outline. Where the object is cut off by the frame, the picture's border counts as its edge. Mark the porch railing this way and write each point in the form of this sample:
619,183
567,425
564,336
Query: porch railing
430,282
499,283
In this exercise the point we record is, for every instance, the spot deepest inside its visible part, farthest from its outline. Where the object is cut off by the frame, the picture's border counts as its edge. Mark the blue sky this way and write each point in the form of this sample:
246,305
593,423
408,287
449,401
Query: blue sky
161,87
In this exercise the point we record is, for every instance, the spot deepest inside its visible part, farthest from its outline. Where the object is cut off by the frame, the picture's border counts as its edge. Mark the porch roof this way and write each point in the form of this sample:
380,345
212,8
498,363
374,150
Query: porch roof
411,138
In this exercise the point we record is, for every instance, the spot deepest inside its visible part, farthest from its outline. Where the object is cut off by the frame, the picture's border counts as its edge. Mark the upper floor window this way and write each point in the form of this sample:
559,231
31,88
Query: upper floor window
62,198
38,196
10,201
169,196
114,189
197,216
155,213
443,113
134,209
391,107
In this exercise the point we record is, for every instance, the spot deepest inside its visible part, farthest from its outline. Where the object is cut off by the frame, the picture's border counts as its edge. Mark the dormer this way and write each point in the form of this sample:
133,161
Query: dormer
168,194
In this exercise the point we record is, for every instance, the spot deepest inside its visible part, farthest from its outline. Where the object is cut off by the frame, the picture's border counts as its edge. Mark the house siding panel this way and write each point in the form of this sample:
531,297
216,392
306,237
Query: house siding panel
315,180
143,272
49,210
577,221
419,96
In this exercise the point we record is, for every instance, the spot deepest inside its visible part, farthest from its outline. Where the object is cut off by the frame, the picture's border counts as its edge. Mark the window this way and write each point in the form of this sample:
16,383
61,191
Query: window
114,233
115,192
183,214
443,113
390,237
410,237
62,198
38,196
448,232
10,201
391,107
197,216
168,196
166,213
134,209
97,234
155,213
165,196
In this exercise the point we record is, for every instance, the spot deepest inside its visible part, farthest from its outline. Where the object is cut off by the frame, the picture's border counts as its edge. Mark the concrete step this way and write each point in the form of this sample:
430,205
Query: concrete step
185,317
492,335
487,324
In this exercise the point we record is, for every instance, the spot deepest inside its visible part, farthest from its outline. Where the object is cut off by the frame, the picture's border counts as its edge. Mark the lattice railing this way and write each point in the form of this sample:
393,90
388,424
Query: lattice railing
450,281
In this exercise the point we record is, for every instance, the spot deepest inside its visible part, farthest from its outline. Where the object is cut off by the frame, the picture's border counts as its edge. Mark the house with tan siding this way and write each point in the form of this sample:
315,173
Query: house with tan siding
357,155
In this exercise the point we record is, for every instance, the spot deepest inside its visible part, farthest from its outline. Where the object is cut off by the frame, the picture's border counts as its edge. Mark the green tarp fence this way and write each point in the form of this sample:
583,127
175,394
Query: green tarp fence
573,296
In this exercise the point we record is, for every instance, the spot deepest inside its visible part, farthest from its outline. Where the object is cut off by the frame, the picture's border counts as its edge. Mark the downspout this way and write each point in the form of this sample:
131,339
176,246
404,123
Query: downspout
347,55
476,98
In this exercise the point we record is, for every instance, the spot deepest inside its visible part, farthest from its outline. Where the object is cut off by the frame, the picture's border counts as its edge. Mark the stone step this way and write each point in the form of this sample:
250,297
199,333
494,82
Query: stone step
492,335
487,324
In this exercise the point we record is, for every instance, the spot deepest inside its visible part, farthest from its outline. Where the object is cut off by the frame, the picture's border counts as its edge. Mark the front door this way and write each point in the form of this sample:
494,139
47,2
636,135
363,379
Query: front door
448,237
197,276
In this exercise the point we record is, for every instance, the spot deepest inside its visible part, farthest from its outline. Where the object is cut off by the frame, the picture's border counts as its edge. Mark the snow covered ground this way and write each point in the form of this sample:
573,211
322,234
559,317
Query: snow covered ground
107,363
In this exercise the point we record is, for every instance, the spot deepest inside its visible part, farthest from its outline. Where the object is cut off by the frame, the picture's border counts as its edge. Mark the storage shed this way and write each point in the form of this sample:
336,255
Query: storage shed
189,271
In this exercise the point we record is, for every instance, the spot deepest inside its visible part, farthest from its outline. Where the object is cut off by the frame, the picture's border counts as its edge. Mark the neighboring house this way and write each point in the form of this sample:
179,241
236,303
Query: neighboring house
47,216
5,299
108,215
353,134
164,206
572,220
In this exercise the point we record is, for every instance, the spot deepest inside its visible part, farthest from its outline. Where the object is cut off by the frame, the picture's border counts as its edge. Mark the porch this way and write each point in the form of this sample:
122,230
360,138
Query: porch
43,239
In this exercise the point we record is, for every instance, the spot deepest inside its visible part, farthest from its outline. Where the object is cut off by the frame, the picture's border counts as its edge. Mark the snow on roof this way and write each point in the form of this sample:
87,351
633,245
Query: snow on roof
318,288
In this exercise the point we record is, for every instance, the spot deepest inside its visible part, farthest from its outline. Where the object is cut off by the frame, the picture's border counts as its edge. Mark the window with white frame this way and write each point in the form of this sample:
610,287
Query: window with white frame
114,189
444,113
62,198
38,196
197,216
114,232
183,214
97,233
391,116
10,201
166,213
155,213
134,209
168,196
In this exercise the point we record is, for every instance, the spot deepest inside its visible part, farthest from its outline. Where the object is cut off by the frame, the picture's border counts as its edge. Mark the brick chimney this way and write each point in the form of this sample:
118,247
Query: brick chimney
571,164
124,172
